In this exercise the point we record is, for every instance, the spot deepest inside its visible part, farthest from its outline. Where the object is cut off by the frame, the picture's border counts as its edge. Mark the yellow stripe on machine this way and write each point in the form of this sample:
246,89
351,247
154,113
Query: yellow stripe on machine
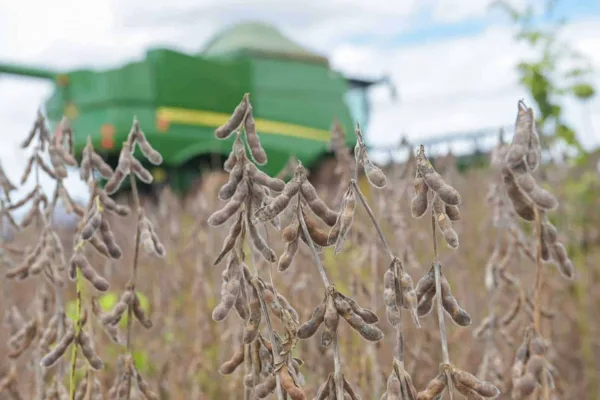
215,119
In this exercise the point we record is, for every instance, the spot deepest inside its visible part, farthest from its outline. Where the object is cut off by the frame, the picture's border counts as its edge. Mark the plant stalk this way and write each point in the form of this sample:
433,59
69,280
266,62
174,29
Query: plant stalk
138,207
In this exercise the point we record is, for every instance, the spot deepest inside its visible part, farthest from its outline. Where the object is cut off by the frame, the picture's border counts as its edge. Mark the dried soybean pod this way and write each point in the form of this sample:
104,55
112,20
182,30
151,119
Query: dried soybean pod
290,387
99,246
453,212
101,166
290,232
375,175
260,244
524,386
459,315
144,386
425,284
434,388
256,150
221,216
521,203
369,332
92,225
80,261
394,388
443,223
447,193
114,316
241,302
230,365
234,233
267,387
140,171
512,312
541,197
318,206
230,162
522,136
330,319
345,219
109,239
140,314
310,327
535,366
318,236
88,351
349,391
468,393
367,315
389,296
409,297
112,205
235,176
255,316
263,179
534,149
324,389
279,203
28,169
285,261
236,119
483,388
57,352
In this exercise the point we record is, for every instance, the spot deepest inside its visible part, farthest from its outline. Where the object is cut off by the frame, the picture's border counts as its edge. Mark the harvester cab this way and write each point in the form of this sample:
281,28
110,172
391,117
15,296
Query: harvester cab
179,100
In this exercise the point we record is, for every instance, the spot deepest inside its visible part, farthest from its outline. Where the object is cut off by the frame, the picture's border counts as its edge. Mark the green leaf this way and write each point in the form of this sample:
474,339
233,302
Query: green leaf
583,91
108,301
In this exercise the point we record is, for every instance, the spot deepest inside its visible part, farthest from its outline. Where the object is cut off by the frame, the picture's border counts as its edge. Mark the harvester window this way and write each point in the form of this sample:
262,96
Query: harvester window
358,102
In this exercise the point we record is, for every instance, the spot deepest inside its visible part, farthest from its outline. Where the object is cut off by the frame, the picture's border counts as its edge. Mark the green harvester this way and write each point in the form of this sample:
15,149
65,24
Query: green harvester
179,100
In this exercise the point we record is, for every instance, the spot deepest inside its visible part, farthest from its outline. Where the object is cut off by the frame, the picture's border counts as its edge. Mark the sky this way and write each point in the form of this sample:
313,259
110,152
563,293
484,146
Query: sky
452,61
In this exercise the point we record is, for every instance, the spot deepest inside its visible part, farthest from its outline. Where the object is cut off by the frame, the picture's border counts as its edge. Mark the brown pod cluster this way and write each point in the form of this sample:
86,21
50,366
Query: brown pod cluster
530,366
289,375
308,194
426,292
242,117
129,164
230,287
22,339
71,338
444,222
399,292
327,390
374,174
399,384
328,313
47,257
126,370
556,251
149,238
521,160
435,181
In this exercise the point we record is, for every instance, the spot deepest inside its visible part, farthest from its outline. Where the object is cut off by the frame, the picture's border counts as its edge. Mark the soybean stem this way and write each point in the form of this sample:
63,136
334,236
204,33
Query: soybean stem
538,274
136,201
372,216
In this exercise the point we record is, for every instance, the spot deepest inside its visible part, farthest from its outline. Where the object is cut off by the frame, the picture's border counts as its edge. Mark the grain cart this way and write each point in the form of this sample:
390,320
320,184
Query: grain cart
179,100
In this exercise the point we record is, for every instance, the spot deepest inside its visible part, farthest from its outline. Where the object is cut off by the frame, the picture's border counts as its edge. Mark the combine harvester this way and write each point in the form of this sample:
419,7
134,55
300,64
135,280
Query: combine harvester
179,100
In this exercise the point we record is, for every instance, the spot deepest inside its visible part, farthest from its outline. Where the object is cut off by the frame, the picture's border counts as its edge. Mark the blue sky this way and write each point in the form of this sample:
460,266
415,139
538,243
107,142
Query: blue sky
452,60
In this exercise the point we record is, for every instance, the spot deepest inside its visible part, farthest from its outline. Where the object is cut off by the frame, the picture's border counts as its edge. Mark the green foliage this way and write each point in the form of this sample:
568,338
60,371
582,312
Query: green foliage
544,76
